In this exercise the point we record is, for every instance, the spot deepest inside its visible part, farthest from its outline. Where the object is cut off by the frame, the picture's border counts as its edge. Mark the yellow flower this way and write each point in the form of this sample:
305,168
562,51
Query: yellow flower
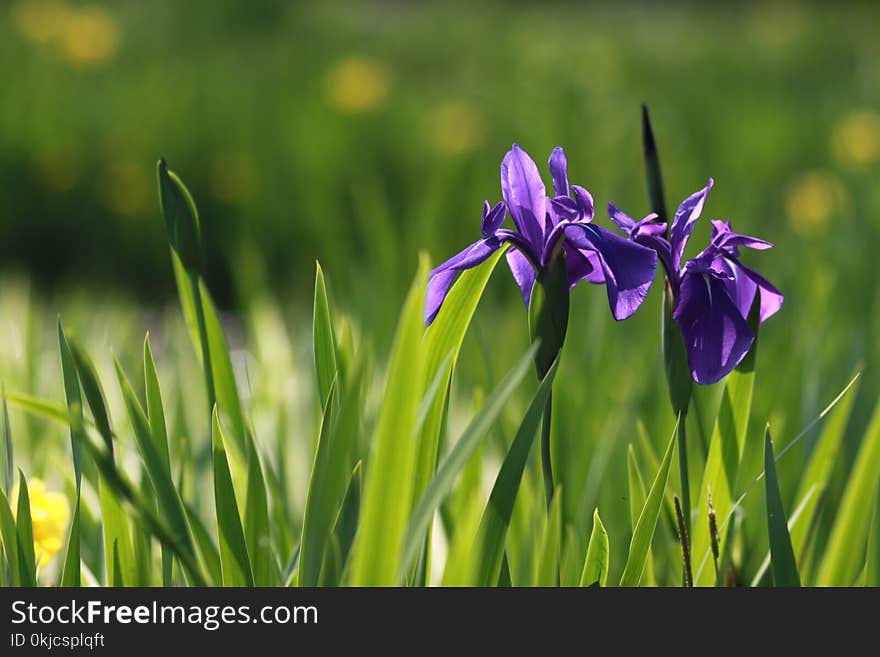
811,200
50,513
856,139
454,127
92,36
357,84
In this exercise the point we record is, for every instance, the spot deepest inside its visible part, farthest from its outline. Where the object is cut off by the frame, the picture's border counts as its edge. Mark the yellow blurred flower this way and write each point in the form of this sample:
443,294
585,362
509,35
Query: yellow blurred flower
812,199
126,187
40,21
454,127
50,513
357,84
91,36
856,139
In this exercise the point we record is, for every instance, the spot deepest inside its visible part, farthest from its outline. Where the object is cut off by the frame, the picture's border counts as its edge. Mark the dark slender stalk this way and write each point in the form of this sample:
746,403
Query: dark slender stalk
685,545
203,338
713,537
546,463
681,439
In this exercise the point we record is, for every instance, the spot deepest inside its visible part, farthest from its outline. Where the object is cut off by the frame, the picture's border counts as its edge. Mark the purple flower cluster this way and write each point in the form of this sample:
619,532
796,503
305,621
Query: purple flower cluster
713,292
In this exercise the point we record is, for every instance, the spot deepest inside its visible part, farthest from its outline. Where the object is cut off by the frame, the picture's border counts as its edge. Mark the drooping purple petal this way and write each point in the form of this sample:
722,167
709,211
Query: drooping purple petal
628,267
683,222
582,266
523,273
771,298
493,217
621,219
559,170
716,335
441,278
524,194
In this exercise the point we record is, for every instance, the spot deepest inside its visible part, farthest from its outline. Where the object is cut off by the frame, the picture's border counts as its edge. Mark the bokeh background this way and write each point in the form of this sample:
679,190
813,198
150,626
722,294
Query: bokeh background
360,133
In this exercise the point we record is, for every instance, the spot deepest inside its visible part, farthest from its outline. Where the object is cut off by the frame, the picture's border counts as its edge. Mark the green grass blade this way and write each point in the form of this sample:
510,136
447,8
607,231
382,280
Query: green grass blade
872,561
344,531
70,575
443,341
492,533
7,445
27,563
844,554
115,528
224,378
159,432
389,473
257,531
322,338
234,561
9,534
636,503
91,386
40,407
169,505
209,555
74,399
795,519
187,304
547,572
643,534
597,561
782,561
458,456
820,467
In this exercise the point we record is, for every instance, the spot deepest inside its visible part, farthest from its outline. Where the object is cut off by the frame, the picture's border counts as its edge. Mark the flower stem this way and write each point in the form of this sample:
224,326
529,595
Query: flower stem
683,471
203,338
546,463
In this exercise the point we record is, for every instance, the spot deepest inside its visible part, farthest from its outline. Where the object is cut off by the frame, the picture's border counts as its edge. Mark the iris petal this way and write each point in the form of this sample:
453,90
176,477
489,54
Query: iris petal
523,273
524,194
628,267
441,278
683,222
559,170
716,335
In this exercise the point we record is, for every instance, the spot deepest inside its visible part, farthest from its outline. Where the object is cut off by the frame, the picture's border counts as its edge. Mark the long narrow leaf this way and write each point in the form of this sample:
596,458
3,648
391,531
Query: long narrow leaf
596,563
643,534
323,341
25,533
782,561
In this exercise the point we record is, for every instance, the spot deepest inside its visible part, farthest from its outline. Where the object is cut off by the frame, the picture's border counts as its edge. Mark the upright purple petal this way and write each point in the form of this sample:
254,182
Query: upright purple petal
683,222
629,268
524,194
523,273
725,238
716,335
493,217
584,201
559,171
441,278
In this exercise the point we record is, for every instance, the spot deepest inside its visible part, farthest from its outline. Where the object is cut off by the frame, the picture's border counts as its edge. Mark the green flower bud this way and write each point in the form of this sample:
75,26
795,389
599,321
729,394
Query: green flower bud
181,218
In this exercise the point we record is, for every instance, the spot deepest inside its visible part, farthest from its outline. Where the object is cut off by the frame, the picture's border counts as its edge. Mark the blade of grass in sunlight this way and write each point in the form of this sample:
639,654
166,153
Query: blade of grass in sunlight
458,456
643,534
596,563
9,534
74,398
7,444
389,473
234,561
333,572
636,503
844,554
27,565
257,531
70,575
783,564
795,520
547,573
872,561
323,341
488,550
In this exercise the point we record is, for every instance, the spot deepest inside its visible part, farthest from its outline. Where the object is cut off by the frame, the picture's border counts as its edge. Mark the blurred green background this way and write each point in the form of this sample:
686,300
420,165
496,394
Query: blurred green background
359,133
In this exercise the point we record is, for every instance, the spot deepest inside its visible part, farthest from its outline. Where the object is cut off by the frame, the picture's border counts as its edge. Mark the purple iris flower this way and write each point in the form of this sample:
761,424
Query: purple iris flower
713,292
545,227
